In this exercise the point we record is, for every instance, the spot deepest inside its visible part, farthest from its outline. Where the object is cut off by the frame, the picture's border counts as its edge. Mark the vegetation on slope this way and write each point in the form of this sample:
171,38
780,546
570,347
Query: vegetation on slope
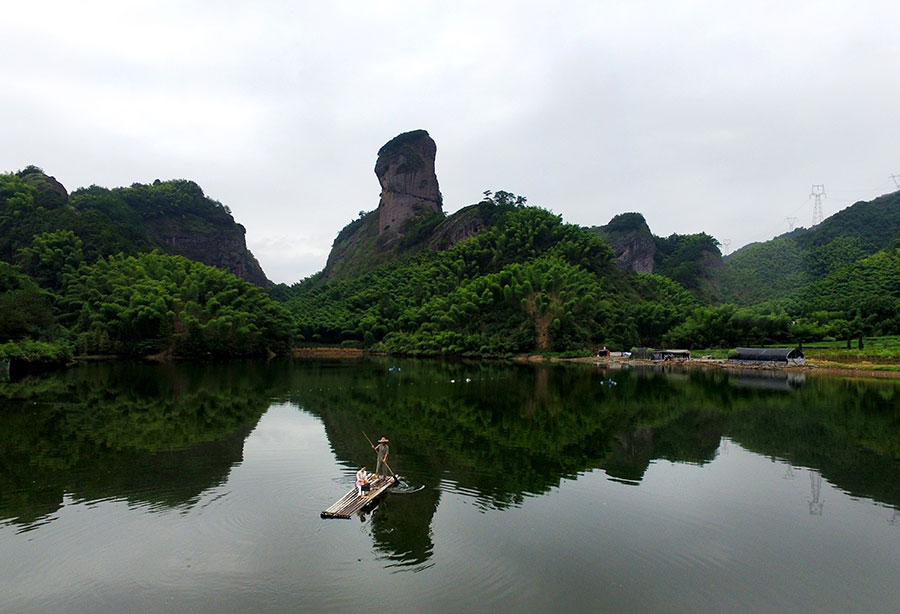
783,267
80,272
526,283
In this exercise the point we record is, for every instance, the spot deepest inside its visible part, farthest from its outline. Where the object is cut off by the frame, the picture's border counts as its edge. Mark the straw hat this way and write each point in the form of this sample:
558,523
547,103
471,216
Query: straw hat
383,440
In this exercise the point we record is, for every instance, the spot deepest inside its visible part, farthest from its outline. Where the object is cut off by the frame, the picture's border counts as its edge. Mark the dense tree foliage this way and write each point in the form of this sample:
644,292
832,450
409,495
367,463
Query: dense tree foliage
80,270
691,260
157,303
764,271
859,299
107,221
25,310
28,328
527,282
88,271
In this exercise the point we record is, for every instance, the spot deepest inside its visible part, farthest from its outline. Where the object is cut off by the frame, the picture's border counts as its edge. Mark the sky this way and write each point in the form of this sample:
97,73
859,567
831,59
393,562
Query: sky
704,116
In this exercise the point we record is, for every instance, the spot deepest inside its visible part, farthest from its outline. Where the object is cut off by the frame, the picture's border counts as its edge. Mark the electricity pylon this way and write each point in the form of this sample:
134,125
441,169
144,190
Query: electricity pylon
818,192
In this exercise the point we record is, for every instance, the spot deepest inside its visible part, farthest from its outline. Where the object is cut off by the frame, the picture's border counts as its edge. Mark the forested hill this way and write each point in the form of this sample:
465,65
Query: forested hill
526,282
785,266
121,272
174,217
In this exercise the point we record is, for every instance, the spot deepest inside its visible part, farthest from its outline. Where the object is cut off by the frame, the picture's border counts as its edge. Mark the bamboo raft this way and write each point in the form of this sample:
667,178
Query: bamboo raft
351,503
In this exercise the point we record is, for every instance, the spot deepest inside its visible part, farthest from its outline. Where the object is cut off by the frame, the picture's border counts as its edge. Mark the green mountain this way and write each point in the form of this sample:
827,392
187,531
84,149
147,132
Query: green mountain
528,281
862,298
784,267
122,272
174,217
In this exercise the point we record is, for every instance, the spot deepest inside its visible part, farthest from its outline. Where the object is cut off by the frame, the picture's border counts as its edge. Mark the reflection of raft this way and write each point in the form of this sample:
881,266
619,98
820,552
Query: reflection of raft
351,503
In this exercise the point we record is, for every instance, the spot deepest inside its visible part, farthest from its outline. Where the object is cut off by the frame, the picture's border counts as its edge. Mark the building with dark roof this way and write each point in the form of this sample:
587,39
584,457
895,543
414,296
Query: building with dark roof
787,356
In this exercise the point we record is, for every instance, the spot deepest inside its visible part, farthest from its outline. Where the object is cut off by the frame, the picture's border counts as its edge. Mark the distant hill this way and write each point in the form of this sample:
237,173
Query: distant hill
786,265
174,217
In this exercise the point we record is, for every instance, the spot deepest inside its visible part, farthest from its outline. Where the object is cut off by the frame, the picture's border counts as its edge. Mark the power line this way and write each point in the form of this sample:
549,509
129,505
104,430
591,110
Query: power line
844,196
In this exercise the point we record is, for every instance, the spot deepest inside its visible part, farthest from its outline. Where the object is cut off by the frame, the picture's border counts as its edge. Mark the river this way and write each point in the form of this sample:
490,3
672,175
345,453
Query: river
198,487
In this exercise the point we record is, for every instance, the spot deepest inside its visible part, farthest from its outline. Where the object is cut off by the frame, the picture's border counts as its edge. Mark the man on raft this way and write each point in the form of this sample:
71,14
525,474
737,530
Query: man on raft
381,451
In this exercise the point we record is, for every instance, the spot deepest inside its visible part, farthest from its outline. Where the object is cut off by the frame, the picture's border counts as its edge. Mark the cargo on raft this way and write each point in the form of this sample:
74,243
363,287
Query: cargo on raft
352,502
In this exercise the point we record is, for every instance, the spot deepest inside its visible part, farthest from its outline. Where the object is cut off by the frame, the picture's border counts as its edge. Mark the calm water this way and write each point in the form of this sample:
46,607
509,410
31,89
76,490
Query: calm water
198,488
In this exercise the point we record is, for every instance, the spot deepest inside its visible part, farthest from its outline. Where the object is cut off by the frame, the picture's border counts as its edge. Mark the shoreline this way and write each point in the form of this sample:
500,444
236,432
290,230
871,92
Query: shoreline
811,366
616,362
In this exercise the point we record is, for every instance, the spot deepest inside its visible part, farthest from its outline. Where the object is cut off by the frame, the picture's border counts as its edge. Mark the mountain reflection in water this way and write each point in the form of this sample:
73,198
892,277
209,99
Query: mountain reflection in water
163,437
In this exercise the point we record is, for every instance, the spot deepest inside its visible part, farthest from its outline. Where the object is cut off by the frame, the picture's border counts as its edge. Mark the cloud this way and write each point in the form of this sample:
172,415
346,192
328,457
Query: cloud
705,116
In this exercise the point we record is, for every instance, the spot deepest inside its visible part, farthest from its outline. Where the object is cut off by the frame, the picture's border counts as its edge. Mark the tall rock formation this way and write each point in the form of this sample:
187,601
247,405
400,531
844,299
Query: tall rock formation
409,185
409,208
409,217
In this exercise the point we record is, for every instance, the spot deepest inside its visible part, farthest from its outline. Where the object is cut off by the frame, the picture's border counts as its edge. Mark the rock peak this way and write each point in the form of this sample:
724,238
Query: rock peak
409,185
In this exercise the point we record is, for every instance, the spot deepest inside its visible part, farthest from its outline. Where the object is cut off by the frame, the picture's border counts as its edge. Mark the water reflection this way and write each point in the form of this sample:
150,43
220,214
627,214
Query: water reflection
148,434
500,433
816,503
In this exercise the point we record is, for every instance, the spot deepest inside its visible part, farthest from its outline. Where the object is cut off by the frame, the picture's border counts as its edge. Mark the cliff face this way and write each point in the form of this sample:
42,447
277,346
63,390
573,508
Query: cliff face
630,238
463,224
175,217
223,246
409,185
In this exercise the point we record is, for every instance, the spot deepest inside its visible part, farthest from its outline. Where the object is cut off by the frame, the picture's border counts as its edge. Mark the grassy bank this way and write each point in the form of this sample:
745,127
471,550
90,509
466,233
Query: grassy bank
877,354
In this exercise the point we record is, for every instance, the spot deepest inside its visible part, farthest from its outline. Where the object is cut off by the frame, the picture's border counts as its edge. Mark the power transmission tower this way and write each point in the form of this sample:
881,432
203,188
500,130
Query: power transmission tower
896,179
791,222
726,244
818,192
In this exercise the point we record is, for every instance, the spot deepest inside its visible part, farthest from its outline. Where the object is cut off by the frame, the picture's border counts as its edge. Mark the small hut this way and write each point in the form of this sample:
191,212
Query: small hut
785,356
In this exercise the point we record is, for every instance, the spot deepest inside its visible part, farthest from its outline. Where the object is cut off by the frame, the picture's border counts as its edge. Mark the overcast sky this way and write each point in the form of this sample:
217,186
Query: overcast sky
712,116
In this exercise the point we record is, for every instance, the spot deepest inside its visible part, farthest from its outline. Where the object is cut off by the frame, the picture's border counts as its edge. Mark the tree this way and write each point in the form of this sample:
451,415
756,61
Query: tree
51,257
